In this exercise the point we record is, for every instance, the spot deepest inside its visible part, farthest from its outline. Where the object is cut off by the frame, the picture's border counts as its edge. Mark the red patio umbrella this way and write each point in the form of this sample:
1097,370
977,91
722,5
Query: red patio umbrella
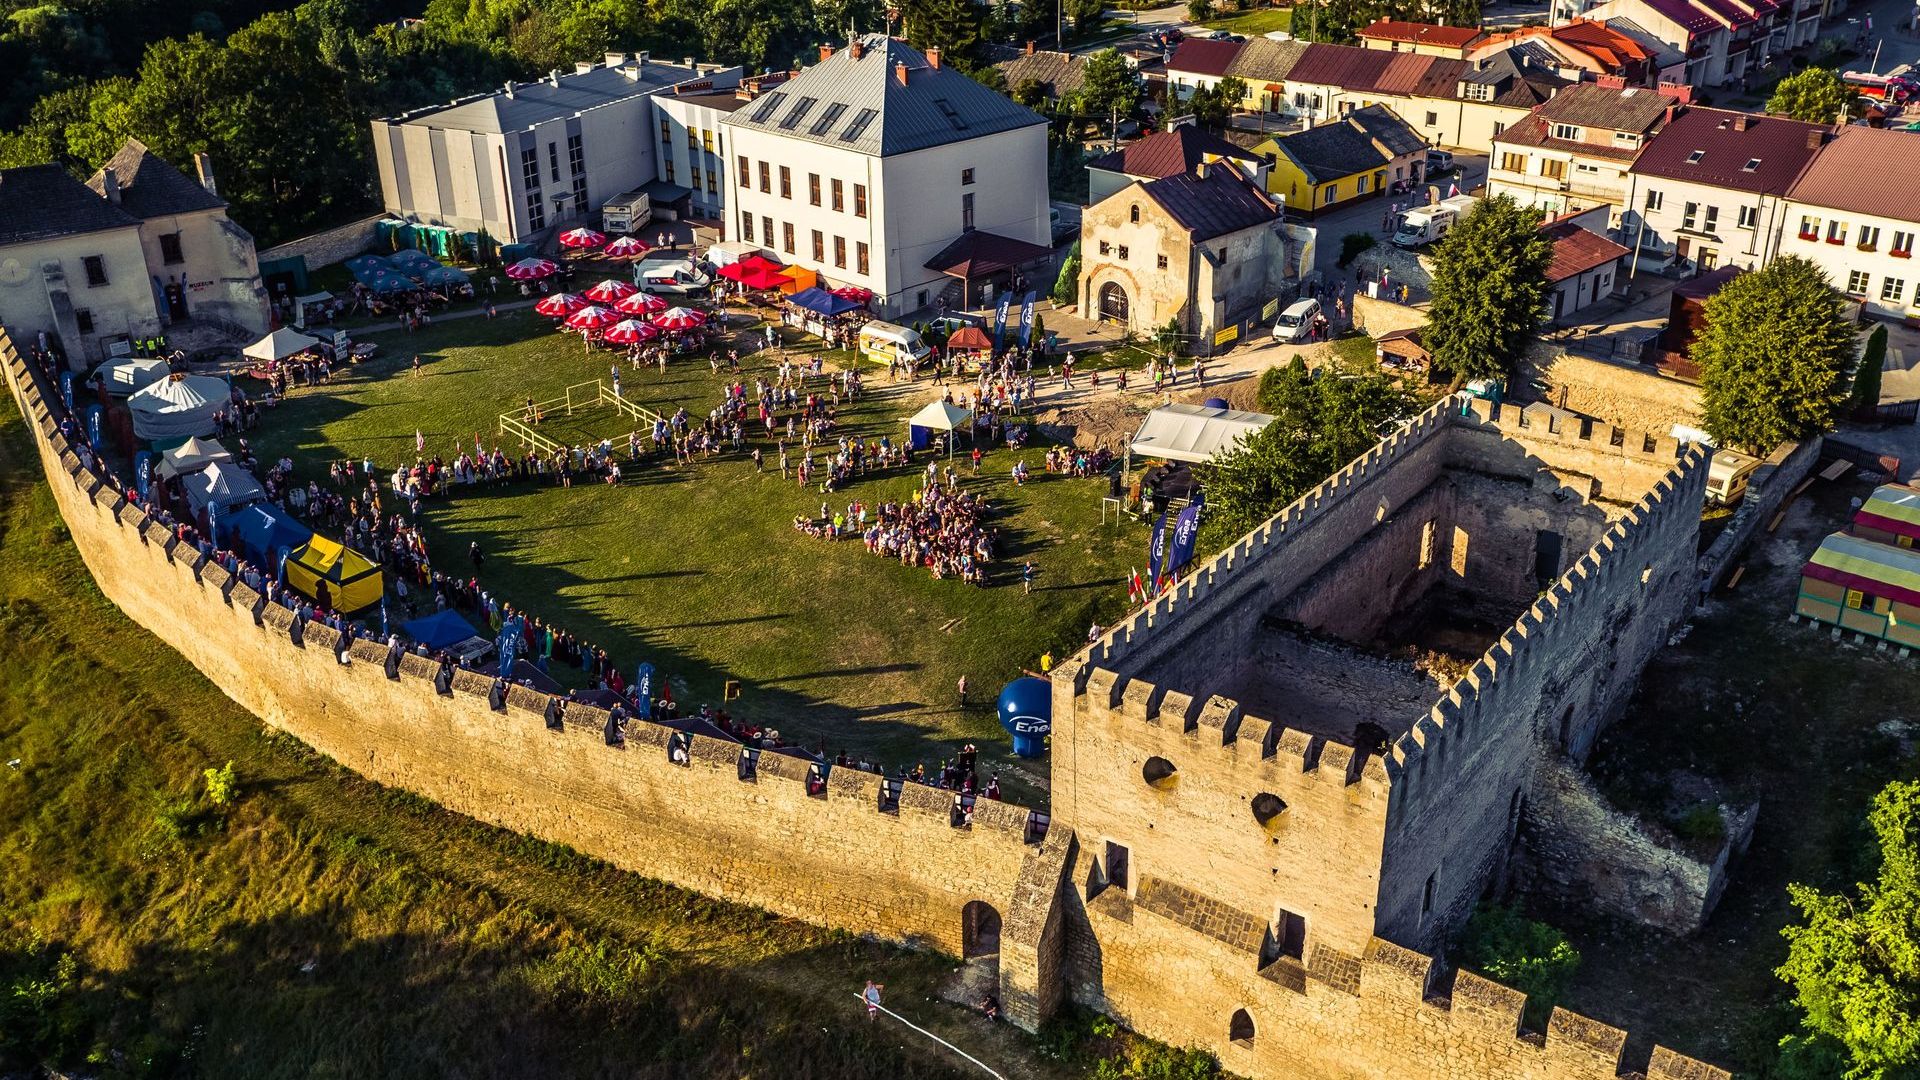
532,269
611,291
679,319
559,305
859,294
641,303
592,318
626,247
629,331
582,238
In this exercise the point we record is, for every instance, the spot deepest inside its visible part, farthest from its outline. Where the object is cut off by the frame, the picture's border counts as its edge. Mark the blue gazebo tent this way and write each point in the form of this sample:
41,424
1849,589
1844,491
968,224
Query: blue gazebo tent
261,532
366,267
439,630
821,302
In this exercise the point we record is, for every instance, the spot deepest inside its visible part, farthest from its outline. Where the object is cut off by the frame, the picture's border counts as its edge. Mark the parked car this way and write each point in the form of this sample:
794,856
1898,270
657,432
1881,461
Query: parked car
1295,323
673,277
1439,161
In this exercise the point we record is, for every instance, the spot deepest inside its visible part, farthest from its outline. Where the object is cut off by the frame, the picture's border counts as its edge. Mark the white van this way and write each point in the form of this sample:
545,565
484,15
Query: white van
1727,476
1295,323
884,342
672,277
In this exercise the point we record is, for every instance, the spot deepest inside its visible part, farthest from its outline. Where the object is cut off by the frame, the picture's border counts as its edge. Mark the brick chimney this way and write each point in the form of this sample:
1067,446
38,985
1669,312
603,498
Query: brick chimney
203,164
900,71
111,185
1742,122
1816,138
856,49
933,57
1029,48
826,53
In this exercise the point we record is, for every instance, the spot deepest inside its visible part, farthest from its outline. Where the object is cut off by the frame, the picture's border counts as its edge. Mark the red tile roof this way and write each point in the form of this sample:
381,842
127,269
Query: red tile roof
1686,16
1169,153
1402,73
1199,56
1344,66
1577,250
1454,37
1726,143
1865,171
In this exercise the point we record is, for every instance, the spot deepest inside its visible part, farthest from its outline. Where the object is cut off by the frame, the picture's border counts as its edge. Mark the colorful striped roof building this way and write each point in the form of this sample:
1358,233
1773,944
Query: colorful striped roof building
1867,579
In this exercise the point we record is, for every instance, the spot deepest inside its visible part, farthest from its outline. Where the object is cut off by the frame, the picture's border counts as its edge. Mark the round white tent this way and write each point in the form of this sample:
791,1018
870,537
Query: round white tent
125,377
177,408
280,344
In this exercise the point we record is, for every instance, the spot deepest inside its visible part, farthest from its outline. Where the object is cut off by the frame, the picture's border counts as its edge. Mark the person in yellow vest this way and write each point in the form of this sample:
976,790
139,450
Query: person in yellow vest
1046,662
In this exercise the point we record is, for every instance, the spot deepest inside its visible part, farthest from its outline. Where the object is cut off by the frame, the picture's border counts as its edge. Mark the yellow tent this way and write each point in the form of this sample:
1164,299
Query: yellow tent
352,582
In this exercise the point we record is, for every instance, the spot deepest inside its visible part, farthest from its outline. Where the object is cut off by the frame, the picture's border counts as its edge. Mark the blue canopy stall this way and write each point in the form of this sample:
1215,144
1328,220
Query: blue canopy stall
366,267
445,275
821,302
261,532
440,630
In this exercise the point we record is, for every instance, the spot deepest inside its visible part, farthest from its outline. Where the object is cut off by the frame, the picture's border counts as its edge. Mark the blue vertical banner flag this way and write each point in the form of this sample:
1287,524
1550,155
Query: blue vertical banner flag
93,420
1186,529
1157,550
1000,320
143,473
66,388
1026,318
643,691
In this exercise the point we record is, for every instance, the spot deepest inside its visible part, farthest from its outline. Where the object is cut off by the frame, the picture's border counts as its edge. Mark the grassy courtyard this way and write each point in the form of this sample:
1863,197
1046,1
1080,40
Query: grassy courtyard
1253,23
699,570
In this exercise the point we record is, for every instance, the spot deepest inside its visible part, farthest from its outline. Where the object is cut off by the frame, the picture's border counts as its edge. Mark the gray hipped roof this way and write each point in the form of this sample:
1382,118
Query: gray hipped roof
861,104
149,187
551,99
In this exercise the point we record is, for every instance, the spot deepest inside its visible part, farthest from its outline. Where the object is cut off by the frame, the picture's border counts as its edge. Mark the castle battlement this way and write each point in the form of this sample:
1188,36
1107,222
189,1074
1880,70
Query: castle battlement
856,851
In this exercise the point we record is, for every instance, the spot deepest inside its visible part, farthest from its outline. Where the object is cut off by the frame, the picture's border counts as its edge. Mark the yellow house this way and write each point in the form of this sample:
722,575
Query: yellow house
1362,154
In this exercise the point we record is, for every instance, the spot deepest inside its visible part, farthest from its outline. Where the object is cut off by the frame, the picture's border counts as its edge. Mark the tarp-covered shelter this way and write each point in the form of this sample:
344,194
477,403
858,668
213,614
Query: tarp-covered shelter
174,408
1864,586
125,377
280,344
353,582
194,454
939,415
1194,433
221,486
440,630
262,532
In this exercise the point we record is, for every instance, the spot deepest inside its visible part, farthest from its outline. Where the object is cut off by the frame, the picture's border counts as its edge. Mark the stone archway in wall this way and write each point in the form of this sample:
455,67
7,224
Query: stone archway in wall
979,930
1113,304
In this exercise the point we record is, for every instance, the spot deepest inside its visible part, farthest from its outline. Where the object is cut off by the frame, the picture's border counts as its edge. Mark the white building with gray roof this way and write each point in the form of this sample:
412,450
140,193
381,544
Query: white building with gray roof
881,168
535,155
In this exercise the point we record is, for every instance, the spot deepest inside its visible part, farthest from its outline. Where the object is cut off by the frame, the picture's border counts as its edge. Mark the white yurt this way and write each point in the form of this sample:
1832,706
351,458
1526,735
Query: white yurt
177,408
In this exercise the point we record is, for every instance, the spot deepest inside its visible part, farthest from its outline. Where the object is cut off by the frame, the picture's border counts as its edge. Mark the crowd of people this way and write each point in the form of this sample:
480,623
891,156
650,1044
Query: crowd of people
940,528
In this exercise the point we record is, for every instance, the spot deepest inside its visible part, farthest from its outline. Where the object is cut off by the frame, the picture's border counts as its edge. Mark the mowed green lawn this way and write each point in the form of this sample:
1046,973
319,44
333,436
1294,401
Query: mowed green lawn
700,571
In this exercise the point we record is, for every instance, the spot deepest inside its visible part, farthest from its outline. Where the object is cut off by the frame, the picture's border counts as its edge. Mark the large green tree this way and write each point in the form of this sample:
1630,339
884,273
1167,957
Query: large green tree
1854,961
1319,424
1815,95
1489,289
1774,355
1109,86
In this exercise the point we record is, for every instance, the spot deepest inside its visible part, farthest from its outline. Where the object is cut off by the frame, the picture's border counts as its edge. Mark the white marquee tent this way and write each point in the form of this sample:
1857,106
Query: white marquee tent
280,344
195,453
222,486
1193,433
940,416
176,408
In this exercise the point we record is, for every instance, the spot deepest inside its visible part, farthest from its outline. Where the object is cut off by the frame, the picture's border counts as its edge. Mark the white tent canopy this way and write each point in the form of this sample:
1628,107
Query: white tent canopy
727,252
1194,433
280,344
128,376
196,453
172,408
940,416
221,486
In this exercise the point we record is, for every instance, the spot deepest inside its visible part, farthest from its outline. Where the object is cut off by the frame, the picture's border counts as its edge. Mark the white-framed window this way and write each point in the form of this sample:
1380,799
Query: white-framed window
1656,199
1893,289
1869,237
1836,232
1809,227
1711,222
1689,217
1749,217
1902,246
1857,282
1569,132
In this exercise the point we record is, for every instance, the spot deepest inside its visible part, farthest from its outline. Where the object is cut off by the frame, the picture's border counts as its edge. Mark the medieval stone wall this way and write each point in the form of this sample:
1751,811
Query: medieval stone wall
1173,960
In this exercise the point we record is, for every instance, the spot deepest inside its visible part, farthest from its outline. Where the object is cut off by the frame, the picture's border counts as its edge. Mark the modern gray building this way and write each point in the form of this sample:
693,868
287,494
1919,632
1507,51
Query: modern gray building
536,155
